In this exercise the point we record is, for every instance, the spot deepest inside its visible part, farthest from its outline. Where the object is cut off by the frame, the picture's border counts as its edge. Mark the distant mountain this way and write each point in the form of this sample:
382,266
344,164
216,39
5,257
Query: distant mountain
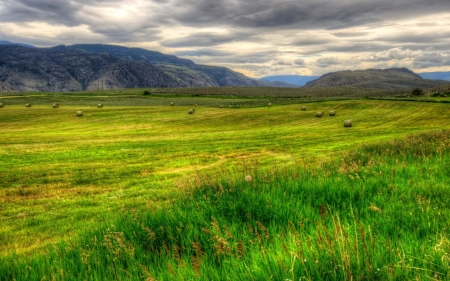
385,79
290,79
280,84
81,67
436,75
3,42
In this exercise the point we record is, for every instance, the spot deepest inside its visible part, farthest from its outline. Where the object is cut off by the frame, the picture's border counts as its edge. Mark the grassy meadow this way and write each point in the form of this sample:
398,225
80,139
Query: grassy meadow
140,190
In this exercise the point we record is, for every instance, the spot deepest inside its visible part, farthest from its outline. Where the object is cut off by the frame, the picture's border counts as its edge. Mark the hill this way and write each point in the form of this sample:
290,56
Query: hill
385,79
87,67
3,42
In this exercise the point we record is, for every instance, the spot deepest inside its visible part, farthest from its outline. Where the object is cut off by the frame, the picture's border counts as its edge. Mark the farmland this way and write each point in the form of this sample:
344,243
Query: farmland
142,189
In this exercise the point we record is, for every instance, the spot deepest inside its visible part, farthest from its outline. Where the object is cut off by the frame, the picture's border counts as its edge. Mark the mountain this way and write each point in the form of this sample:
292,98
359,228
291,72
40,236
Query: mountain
280,84
87,67
436,75
3,42
290,79
385,79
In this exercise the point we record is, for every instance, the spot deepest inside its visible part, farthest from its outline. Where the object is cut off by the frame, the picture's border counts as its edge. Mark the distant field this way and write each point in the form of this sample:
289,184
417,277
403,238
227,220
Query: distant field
215,96
62,176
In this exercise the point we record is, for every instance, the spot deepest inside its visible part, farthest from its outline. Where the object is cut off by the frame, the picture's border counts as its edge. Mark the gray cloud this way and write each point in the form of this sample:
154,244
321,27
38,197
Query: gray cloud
300,62
204,52
312,41
205,39
58,12
283,35
432,59
301,14
326,62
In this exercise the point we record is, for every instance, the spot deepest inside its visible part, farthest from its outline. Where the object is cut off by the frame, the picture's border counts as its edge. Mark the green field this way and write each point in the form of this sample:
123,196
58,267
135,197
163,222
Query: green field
140,190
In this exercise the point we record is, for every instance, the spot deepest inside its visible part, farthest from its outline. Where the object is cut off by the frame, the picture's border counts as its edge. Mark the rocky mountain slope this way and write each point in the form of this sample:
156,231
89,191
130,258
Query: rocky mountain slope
84,67
386,79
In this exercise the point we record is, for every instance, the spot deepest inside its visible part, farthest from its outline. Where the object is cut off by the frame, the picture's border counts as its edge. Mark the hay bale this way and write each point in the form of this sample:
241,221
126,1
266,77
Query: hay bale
2,104
248,178
172,104
303,108
28,105
269,104
55,105
333,113
348,123
100,105
319,114
191,111
79,113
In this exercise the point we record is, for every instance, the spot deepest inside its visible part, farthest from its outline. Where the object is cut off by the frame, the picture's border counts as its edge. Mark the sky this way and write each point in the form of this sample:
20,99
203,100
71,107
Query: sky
255,37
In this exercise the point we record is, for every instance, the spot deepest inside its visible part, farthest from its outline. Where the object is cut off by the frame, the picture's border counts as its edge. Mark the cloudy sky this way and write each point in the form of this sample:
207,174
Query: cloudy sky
254,37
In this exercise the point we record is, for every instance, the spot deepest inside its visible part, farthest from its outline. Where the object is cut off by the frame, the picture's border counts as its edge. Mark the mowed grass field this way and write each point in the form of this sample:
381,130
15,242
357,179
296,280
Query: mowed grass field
63,176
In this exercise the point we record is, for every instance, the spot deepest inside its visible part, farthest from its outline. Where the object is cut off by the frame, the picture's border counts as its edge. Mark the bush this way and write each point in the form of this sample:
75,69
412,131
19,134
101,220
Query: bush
146,93
417,92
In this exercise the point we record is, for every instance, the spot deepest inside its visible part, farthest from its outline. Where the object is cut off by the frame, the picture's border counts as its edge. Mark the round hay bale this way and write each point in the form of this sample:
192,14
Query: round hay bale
348,123
191,111
172,104
79,113
248,178
100,105
55,105
2,104
319,114
303,108
28,105
333,113
269,104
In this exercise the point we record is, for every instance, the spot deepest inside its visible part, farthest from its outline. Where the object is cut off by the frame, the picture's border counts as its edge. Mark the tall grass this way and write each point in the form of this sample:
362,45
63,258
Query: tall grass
381,212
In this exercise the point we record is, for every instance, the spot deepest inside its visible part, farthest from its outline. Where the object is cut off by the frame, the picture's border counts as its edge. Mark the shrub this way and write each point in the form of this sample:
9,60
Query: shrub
417,92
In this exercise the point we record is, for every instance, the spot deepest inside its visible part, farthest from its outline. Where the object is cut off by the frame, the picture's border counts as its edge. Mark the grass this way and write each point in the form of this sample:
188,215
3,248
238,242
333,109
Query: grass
360,218
105,180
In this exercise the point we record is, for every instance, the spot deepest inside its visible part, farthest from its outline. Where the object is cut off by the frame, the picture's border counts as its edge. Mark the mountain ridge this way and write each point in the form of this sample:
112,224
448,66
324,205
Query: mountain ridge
86,67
